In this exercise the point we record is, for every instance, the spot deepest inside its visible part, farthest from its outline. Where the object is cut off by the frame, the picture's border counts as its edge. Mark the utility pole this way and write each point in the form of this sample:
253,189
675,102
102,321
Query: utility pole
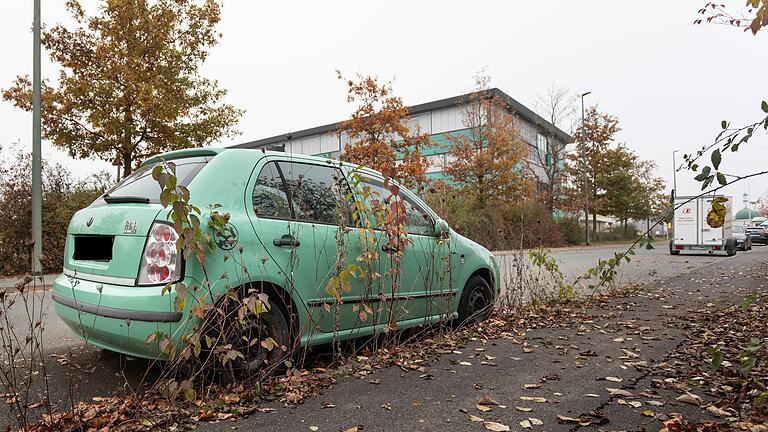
37,163
586,213
674,175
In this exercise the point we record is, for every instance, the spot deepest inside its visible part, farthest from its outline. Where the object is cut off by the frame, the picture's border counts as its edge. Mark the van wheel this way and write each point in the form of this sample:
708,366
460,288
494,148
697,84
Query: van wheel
260,339
476,301
672,250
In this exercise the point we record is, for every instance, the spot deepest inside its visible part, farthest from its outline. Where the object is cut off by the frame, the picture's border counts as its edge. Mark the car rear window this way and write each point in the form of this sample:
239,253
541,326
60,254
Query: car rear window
141,184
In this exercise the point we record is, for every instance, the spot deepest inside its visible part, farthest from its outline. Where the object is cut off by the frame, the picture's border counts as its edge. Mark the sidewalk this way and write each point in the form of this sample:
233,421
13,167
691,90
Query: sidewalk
606,366
11,281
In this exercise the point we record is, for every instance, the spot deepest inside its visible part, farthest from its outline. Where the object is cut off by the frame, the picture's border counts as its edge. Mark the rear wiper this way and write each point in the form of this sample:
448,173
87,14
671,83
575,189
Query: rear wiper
125,199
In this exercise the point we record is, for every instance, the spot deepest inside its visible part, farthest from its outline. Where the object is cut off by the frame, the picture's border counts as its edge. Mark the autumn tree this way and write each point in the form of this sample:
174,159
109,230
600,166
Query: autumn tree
129,84
486,157
587,168
632,191
547,164
378,134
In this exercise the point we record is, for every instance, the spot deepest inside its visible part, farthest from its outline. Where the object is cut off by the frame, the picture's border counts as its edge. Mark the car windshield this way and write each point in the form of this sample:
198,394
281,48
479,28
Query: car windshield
738,229
140,183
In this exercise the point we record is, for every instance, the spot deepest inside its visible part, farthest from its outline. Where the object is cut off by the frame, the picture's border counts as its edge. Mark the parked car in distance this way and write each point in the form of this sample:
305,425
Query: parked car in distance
282,239
743,240
758,234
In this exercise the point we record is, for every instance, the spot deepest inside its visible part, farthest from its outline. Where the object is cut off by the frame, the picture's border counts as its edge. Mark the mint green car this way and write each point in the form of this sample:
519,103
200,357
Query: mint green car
281,239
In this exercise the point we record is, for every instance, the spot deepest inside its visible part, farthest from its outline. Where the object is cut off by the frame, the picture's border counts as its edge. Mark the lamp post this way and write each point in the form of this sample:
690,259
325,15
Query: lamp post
586,212
674,175
37,182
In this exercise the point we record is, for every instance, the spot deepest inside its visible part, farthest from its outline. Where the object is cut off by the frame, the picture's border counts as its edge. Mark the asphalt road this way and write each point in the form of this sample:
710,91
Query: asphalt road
646,266
574,363
79,372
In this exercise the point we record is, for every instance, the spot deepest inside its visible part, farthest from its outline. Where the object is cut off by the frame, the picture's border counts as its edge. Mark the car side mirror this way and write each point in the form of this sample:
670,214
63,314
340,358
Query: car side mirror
441,228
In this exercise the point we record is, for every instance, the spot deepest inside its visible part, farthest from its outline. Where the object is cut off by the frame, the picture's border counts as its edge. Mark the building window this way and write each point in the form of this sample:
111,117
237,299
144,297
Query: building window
436,163
541,142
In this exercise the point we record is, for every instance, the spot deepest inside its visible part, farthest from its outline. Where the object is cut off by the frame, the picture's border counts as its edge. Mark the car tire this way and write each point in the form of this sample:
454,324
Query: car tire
476,303
730,247
256,360
671,250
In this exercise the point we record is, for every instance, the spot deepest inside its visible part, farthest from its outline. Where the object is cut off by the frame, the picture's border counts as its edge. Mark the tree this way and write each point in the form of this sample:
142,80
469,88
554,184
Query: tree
632,191
486,158
621,173
378,134
129,84
587,168
558,106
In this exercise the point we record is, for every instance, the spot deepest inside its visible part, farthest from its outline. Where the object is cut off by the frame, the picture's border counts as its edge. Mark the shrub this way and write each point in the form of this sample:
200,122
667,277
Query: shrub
62,197
572,230
502,225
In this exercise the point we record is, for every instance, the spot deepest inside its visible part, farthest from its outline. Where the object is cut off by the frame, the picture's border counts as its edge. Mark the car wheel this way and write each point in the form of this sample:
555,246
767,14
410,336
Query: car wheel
476,301
245,337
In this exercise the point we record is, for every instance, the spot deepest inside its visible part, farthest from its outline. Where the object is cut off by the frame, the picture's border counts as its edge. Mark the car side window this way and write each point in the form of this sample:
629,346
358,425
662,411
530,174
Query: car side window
269,195
317,193
417,220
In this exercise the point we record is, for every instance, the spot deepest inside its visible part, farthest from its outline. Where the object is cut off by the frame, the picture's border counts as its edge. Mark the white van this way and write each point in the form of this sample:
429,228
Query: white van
692,233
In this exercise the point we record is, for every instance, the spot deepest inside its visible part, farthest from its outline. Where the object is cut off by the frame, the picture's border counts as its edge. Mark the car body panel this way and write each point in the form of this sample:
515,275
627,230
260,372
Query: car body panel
104,305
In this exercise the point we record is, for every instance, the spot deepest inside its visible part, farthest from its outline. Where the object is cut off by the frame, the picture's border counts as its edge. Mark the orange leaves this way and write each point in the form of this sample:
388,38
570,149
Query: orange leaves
378,134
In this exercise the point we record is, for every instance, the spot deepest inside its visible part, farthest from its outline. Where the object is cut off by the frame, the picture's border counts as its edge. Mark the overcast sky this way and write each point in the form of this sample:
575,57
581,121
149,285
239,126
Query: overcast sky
669,82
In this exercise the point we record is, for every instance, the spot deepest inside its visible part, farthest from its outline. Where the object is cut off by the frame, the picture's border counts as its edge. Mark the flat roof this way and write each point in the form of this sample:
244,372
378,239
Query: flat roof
520,109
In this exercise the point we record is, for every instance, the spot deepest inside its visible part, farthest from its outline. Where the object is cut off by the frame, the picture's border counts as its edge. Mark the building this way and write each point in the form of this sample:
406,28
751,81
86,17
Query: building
439,119
746,216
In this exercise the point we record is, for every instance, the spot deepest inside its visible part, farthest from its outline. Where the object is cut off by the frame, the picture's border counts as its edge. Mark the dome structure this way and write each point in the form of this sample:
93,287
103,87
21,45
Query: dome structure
746,214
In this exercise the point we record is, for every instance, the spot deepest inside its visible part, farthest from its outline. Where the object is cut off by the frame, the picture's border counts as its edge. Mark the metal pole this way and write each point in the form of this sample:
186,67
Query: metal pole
674,175
37,181
586,212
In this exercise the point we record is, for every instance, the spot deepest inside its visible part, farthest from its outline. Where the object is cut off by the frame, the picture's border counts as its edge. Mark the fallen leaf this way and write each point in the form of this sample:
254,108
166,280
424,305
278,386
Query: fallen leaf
619,392
531,386
483,408
485,400
496,427
690,398
566,419
526,424
464,363
537,399
475,418
717,411
648,413
314,428
613,379
535,421
523,409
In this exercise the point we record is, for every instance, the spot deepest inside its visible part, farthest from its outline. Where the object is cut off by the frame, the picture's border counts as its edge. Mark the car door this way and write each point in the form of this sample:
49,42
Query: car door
425,274
324,246
416,286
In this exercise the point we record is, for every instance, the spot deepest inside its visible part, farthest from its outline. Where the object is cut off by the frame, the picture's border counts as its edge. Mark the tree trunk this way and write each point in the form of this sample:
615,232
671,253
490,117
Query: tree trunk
127,164
625,227
594,223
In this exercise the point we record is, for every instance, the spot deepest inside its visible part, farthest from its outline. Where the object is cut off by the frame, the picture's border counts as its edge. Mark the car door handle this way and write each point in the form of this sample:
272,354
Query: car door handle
387,248
286,240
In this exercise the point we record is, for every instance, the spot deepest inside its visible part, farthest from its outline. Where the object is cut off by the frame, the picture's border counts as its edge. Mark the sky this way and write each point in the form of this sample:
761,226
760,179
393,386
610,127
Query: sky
669,82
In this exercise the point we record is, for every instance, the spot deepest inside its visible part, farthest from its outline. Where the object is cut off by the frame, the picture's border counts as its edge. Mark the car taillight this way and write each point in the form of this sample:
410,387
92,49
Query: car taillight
160,263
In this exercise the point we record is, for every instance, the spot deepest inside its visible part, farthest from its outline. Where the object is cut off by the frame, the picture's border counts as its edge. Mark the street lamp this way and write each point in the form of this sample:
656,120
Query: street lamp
674,175
586,212
37,182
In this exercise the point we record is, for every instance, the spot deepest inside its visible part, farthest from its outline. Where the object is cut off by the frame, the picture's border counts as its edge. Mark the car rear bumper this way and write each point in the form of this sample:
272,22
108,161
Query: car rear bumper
118,318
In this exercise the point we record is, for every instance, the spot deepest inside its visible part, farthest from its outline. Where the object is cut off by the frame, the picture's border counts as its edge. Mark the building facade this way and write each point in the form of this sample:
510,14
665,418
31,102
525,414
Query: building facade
439,119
